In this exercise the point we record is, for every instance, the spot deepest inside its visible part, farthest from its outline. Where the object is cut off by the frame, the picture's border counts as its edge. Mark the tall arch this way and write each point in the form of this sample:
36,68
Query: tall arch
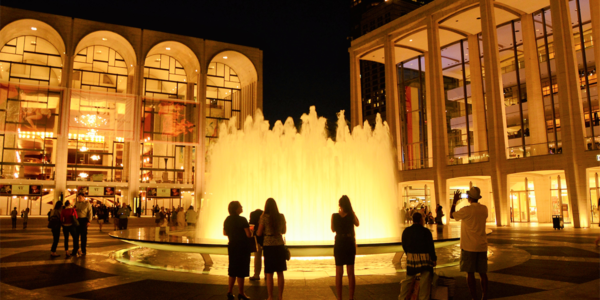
232,84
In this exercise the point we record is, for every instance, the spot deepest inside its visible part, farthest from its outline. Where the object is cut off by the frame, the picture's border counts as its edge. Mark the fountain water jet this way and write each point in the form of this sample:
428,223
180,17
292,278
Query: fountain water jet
306,173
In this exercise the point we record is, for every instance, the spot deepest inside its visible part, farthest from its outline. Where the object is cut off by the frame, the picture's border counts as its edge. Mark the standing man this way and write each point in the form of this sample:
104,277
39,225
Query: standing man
84,214
254,220
417,243
13,218
473,239
123,214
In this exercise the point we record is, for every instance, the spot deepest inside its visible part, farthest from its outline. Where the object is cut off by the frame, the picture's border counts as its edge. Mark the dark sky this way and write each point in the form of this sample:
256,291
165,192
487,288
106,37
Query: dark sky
304,43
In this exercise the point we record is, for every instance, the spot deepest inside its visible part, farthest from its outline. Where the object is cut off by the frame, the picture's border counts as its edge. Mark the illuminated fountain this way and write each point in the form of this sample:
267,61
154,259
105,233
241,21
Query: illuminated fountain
306,173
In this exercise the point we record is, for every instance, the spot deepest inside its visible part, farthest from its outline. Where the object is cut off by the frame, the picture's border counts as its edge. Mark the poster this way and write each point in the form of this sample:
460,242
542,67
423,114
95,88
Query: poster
163,193
20,190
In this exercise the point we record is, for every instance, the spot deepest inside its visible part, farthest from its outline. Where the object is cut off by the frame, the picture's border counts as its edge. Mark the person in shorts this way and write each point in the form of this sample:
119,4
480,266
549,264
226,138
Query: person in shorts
473,239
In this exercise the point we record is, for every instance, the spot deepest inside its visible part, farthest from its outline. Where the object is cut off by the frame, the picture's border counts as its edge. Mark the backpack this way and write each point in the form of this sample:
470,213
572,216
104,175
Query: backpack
53,222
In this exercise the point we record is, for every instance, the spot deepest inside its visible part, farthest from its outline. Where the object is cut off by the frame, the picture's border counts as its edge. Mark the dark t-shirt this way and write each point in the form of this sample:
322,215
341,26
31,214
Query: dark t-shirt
234,227
343,225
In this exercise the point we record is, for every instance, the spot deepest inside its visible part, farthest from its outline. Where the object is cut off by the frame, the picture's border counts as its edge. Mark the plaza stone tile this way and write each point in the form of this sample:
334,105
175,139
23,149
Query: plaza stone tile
35,277
566,271
560,251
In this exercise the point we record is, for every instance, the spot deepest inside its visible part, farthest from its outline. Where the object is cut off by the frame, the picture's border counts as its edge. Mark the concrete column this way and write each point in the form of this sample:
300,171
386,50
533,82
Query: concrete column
538,138
435,91
428,100
595,13
391,96
477,99
356,116
133,176
496,121
571,117
200,167
62,140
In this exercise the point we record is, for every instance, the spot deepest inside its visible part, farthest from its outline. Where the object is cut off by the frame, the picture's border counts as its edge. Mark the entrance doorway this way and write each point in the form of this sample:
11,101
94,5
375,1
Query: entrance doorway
523,206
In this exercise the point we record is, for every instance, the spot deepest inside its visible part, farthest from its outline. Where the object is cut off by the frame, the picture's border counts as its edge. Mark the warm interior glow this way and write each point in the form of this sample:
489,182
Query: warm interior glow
306,173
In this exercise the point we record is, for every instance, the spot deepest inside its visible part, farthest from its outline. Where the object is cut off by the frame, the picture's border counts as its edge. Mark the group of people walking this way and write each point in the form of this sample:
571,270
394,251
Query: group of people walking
74,220
175,217
264,235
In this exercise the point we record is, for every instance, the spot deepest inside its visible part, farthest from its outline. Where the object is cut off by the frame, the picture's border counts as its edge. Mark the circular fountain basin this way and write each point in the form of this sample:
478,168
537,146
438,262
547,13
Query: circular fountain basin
185,240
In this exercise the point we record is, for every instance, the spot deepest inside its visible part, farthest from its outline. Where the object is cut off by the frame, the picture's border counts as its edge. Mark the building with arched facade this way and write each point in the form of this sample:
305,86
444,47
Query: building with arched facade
499,94
124,114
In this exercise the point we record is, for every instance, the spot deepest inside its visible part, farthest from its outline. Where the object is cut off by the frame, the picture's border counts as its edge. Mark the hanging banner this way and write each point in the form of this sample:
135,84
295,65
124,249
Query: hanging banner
163,193
97,191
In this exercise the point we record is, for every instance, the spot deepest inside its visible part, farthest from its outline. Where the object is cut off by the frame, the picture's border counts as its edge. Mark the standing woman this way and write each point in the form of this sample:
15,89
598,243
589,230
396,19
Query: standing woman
236,228
67,215
344,250
272,226
54,224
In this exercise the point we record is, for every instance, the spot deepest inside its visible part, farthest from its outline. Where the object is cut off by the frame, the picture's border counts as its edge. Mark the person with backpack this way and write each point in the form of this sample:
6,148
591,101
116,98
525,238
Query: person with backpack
68,219
54,225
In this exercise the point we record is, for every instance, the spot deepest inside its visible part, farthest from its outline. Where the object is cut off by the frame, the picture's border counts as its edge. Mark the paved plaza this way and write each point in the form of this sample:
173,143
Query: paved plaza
526,262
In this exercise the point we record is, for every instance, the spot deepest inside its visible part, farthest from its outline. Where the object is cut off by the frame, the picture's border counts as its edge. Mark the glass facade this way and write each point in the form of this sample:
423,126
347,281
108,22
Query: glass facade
223,99
168,124
413,114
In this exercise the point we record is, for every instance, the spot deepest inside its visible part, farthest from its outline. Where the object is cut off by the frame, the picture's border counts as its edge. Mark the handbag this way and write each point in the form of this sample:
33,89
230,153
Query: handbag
53,222
75,221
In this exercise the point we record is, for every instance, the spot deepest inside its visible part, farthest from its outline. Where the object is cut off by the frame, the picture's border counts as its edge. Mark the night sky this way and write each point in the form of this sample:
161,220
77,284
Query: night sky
304,43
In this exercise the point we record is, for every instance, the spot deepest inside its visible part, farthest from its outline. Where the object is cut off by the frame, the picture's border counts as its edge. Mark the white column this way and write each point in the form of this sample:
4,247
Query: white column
200,168
477,98
571,117
538,138
356,117
496,121
435,90
391,96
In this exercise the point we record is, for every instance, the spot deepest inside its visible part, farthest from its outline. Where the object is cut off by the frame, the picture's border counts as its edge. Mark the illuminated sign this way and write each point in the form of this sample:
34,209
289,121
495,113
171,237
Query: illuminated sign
163,193
21,190
97,191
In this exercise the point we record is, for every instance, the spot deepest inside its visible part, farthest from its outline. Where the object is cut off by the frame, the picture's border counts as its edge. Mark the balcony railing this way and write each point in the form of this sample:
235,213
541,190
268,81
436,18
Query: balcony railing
548,148
475,157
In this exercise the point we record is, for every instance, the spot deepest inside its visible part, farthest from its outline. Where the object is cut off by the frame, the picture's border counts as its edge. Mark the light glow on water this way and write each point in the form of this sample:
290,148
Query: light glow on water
306,173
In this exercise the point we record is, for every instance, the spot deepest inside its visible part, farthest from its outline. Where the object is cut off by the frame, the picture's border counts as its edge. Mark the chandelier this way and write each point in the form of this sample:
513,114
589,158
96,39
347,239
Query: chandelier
90,120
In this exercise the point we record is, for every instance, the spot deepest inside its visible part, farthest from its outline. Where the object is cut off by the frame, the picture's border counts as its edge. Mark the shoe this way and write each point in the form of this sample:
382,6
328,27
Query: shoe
254,278
243,297
53,254
230,296
67,254
79,253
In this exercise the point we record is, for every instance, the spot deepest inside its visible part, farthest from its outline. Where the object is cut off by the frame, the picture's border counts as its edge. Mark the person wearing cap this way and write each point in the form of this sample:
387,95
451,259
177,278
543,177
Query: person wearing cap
473,239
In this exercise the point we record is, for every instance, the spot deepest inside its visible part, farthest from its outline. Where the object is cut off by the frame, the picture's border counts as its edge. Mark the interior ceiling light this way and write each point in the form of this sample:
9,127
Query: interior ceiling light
90,120
168,48
95,157
104,39
410,41
34,28
83,175
224,57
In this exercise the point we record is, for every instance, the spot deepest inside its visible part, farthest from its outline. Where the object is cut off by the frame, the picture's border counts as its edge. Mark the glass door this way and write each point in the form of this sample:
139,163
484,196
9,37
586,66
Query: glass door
516,207
594,204
533,215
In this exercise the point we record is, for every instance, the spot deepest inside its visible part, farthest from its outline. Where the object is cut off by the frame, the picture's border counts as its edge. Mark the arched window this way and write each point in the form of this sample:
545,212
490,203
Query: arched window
100,68
223,98
169,122
30,60
30,71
